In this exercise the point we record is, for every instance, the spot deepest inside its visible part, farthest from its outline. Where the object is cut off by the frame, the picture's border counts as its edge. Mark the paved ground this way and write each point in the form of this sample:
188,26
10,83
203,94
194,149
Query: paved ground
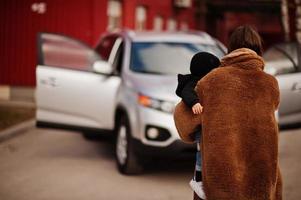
51,164
14,112
290,162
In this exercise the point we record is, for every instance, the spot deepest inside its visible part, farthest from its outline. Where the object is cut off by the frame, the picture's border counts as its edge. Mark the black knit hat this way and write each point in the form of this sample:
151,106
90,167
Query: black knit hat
202,63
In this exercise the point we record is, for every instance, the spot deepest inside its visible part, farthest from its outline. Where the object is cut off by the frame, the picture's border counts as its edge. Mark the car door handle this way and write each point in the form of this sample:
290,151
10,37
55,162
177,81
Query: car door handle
53,82
296,87
50,81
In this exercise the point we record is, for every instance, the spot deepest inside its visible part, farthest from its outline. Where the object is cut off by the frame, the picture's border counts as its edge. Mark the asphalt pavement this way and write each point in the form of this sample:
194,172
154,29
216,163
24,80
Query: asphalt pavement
48,164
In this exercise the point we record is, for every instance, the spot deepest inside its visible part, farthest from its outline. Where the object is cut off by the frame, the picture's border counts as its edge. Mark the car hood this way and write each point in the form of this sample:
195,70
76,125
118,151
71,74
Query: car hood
160,87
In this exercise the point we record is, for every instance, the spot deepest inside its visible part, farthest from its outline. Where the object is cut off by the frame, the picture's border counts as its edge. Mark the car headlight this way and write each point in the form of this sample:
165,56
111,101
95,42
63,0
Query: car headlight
161,105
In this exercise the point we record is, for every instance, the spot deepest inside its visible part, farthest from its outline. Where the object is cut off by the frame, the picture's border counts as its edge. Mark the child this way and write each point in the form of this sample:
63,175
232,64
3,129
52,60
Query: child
201,64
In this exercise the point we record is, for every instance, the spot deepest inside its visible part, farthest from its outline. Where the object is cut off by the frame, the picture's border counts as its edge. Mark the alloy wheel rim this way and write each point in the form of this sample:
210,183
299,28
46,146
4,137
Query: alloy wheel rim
121,147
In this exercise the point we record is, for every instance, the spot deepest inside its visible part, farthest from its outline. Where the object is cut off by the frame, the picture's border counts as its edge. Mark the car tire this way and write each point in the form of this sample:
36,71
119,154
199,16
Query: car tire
126,159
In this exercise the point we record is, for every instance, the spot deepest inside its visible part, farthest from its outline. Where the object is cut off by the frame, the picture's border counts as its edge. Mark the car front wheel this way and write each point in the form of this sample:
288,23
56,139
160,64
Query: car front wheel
127,160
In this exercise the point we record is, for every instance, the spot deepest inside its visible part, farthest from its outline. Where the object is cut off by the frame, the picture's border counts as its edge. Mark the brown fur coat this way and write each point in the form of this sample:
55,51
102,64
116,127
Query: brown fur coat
240,133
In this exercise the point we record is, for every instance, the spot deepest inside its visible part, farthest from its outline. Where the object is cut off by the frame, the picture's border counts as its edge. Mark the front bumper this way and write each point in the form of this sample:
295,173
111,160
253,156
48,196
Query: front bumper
175,149
155,118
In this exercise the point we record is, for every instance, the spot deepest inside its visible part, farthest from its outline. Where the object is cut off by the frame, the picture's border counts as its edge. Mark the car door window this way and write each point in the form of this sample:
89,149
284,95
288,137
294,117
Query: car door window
105,46
65,52
117,64
116,57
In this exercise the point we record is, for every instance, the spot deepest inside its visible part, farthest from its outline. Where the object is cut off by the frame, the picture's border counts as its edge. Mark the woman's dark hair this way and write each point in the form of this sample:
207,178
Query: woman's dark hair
245,37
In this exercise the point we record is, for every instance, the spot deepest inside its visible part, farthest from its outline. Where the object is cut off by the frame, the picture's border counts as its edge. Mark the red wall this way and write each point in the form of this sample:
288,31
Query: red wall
82,19
87,20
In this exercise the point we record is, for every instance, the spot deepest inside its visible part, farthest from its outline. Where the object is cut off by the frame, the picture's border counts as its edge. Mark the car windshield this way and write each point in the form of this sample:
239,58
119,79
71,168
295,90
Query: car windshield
166,57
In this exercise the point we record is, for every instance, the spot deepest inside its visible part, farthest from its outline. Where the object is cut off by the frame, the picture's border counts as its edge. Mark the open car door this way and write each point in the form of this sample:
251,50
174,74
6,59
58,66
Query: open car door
75,88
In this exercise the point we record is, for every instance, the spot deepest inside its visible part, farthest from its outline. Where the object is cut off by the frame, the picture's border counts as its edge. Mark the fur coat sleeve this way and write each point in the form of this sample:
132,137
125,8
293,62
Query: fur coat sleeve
186,122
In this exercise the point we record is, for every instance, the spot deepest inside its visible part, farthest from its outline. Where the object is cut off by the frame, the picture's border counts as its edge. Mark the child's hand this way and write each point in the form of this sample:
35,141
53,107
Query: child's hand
197,108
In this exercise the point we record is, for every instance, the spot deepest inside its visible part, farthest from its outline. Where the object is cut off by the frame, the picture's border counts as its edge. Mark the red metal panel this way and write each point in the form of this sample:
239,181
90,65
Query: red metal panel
21,20
14,41
100,20
128,14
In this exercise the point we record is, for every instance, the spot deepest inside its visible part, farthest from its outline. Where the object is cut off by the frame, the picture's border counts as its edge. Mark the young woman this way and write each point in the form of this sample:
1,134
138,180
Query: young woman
239,131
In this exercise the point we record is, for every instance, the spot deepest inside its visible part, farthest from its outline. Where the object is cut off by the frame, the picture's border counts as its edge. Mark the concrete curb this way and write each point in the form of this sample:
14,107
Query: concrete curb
16,129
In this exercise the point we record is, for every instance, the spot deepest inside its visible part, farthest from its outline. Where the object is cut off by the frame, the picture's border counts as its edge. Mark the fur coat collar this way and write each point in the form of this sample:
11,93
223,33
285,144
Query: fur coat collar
243,58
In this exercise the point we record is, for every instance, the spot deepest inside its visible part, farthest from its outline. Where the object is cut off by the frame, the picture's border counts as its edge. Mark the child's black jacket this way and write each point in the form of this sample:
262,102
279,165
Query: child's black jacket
185,89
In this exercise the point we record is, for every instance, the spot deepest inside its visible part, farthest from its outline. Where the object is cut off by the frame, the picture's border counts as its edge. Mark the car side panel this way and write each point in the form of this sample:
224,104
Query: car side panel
75,97
290,98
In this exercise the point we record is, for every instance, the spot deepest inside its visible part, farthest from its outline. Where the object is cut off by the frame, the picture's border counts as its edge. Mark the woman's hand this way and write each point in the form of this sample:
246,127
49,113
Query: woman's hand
197,108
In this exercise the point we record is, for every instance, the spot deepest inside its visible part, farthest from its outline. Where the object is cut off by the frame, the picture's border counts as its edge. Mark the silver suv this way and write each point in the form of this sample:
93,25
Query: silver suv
126,86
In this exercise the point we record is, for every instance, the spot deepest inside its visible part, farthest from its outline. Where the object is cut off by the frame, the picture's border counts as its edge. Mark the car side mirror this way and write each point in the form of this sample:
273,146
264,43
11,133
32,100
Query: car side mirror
102,67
